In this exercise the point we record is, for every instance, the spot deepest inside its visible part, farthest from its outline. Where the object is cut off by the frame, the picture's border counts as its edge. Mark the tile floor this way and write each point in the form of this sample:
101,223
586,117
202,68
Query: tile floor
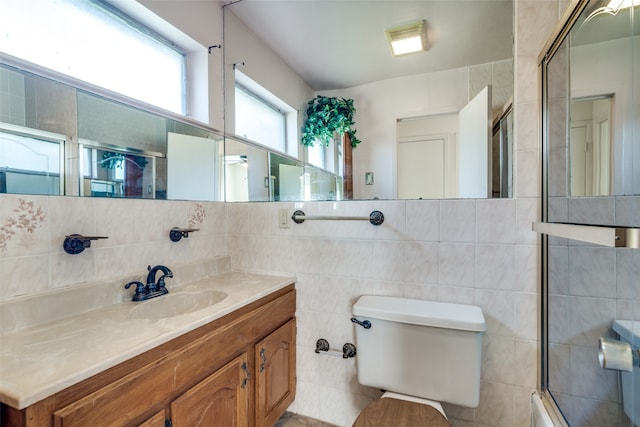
293,420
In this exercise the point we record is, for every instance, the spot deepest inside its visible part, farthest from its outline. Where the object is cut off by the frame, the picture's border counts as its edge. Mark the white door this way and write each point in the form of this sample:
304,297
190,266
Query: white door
421,169
291,183
581,159
426,157
474,145
191,167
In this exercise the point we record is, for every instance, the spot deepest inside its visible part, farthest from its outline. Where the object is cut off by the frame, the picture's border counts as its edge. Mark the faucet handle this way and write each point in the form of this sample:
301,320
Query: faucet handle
140,290
161,283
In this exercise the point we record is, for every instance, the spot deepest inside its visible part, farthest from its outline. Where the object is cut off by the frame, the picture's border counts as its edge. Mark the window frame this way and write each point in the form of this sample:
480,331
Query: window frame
282,114
133,24
291,125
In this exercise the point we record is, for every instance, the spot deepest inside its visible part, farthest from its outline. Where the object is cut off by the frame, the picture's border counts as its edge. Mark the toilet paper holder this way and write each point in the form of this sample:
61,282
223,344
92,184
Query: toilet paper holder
348,349
617,355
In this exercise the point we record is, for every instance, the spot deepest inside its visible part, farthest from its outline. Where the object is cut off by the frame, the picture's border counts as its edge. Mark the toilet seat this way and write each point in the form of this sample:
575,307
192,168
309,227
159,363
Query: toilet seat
392,412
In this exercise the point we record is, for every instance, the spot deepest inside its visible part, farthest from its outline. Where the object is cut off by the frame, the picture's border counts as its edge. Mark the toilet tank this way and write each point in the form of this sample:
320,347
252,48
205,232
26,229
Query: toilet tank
420,348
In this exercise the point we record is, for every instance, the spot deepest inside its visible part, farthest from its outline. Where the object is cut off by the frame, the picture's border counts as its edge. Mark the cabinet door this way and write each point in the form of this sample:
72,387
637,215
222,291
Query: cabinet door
156,421
275,377
221,399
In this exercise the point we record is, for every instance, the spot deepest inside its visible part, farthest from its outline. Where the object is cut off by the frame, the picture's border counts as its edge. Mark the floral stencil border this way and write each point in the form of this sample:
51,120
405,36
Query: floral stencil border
30,216
199,214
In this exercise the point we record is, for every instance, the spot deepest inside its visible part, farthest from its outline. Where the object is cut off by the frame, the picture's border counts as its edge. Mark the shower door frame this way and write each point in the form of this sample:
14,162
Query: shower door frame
555,40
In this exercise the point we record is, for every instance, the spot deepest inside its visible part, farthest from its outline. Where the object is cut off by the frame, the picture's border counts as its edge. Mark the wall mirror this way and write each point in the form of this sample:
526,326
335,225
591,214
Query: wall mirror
594,86
297,50
87,157
590,125
61,140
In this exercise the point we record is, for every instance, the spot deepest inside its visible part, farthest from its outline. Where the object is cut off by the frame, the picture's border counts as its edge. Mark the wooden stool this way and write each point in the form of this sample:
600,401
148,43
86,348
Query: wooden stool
389,412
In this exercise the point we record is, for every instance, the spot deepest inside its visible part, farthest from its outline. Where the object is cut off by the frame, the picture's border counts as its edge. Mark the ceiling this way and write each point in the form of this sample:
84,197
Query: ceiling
334,44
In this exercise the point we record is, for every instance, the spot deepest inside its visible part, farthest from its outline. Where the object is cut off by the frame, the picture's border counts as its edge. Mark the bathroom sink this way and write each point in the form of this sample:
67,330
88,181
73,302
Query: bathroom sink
176,304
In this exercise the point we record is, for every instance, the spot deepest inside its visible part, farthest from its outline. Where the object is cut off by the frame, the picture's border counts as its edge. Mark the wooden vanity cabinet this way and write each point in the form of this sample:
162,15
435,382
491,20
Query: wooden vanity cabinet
158,420
220,399
276,374
238,370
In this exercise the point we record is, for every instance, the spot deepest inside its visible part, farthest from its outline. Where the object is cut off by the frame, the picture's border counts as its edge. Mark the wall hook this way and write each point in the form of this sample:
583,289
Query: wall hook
237,64
177,233
76,243
219,46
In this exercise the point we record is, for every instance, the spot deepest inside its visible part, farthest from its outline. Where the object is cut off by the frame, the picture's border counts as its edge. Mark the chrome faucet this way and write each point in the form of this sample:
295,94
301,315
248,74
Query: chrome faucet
152,289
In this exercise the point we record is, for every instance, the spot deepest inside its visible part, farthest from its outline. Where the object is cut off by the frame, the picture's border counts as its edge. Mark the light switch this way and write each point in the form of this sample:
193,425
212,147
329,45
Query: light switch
283,218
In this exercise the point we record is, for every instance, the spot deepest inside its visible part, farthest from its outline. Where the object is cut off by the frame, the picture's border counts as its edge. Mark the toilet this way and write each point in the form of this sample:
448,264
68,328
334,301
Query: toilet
420,353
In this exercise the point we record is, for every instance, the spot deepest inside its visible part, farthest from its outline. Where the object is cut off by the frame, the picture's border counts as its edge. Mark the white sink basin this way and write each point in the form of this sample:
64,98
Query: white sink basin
176,304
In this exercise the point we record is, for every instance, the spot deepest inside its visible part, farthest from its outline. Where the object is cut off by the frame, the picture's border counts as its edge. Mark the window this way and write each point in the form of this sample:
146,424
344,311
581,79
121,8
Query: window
91,41
260,121
328,157
30,161
264,118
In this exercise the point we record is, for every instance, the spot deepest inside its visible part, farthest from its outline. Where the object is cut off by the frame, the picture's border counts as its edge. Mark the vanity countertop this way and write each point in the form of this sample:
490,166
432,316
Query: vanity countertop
39,361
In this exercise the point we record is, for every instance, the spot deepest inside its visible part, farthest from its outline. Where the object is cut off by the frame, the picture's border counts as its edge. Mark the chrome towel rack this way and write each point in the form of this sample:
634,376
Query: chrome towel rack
615,237
375,217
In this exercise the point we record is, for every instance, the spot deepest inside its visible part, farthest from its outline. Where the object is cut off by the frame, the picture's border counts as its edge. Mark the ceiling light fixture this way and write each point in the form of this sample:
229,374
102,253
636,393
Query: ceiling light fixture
408,38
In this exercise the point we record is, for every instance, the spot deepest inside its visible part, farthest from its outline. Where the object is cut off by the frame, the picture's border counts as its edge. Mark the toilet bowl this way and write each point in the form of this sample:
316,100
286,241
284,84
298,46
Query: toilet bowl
421,353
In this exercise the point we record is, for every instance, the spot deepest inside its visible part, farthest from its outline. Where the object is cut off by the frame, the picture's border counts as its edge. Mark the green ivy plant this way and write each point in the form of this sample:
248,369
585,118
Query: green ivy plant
326,115
112,160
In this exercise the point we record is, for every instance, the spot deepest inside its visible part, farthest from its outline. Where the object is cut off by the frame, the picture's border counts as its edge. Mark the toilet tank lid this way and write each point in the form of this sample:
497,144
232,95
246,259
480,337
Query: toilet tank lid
420,312
628,330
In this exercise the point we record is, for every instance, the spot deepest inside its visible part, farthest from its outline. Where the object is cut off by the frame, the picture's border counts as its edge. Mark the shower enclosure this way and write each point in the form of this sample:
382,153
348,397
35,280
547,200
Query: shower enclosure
590,72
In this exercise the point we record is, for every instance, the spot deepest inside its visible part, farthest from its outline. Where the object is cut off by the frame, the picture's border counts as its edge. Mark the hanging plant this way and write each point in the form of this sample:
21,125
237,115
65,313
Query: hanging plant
112,160
325,116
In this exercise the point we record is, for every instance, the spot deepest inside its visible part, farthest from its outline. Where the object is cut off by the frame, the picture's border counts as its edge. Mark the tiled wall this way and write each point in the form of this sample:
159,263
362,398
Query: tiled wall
468,251
33,228
465,251
589,287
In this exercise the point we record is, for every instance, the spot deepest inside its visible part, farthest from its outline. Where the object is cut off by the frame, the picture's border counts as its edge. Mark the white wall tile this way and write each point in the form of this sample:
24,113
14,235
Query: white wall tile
423,220
590,319
496,267
421,262
592,271
496,221
526,310
458,221
456,295
527,175
527,262
498,359
496,405
597,384
594,412
389,260
526,354
456,264
527,212
26,225
498,309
